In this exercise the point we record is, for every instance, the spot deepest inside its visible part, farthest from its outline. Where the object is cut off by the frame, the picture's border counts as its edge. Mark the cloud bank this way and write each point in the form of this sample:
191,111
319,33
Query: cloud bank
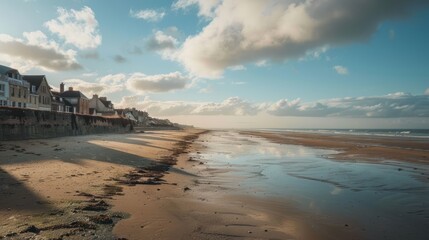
397,105
241,32
35,50
141,83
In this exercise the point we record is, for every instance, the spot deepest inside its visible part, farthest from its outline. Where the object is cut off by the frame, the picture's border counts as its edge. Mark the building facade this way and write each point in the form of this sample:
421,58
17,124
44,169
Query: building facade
100,106
40,92
18,88
78,100
4,91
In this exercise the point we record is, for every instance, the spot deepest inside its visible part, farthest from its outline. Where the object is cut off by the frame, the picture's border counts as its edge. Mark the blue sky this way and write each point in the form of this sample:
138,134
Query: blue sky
224,63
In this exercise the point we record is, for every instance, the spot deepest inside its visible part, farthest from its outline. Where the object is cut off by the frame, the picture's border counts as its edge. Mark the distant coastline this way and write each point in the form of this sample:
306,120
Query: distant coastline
388,132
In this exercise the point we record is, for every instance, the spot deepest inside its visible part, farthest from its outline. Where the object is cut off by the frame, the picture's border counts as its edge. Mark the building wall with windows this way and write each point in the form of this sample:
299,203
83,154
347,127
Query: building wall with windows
4,92
40,89
18,92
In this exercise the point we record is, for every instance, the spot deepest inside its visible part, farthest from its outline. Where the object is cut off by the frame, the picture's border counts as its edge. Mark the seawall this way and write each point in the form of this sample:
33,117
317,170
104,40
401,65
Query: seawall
18,123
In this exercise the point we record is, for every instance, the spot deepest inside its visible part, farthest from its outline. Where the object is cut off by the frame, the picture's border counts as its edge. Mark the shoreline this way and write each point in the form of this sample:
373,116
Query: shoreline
355,148
153,185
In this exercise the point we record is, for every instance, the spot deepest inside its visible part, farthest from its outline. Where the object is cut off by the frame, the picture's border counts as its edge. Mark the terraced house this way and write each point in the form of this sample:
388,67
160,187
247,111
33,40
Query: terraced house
41,95
18,94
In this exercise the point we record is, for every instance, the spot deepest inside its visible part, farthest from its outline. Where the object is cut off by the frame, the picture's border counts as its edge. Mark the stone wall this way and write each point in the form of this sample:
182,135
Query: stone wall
17,124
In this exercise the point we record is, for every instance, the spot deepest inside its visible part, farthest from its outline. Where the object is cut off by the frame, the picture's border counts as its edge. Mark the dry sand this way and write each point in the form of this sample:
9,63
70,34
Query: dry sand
65,187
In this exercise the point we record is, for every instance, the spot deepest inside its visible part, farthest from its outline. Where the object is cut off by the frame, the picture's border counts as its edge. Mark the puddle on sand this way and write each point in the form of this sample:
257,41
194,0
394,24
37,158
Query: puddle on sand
387,201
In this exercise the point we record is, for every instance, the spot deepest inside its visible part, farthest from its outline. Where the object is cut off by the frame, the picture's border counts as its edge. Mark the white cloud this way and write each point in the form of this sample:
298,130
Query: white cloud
87,88
237,68
161,41
231,106
150,15
391,105
241,32
89,74
141,83
79,28
36,51
341,70
261,63
104,85
398,105
205,90
206,7
113,79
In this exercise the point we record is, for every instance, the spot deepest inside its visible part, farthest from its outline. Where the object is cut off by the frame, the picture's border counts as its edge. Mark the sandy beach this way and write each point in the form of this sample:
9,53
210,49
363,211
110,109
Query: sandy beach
163,185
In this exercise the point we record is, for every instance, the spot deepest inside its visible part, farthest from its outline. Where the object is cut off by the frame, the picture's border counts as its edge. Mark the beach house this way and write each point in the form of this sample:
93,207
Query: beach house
40,92
59,104
78,101
100,106
4,91
18,93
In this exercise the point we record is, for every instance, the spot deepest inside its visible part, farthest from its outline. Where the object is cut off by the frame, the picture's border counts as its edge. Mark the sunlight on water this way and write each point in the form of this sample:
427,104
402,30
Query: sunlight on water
380,197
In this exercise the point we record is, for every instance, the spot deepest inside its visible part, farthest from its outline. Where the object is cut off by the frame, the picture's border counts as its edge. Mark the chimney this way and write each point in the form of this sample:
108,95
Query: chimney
95,96
103,98
61,87
70,88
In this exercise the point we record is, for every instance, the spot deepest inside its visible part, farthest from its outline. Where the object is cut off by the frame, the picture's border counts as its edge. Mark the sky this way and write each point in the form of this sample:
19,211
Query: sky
233,63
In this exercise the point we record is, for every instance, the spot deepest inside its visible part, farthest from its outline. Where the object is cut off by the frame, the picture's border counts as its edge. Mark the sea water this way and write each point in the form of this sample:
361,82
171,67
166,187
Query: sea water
388,200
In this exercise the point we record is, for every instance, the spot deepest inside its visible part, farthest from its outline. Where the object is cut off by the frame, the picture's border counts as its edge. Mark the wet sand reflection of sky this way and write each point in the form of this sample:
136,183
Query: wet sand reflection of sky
387,200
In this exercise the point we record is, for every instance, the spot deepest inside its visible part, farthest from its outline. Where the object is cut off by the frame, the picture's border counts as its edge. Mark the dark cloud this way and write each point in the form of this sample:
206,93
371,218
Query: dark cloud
49,58
119,59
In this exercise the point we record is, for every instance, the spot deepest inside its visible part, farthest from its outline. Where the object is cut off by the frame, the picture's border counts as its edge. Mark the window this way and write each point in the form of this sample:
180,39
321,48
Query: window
33,88
13,92
19,104
1,87
40,99
25,105
19,92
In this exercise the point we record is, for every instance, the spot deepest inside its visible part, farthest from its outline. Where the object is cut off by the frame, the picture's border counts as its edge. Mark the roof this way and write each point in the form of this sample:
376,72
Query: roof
35,80
4,69
106,103
57,95
73,94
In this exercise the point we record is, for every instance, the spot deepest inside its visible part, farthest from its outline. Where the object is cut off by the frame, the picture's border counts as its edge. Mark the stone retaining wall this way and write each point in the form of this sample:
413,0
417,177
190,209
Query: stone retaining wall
17,123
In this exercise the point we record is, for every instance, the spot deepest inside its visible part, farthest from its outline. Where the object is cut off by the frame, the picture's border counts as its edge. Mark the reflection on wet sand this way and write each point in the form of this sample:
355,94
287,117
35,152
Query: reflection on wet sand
386,200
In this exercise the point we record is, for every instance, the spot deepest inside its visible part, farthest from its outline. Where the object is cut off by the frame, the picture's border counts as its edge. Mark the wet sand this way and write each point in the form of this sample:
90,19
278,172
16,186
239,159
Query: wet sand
361,148
160,185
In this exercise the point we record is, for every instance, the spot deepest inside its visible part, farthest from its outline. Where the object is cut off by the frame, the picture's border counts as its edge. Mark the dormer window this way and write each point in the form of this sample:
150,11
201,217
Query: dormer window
33,88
